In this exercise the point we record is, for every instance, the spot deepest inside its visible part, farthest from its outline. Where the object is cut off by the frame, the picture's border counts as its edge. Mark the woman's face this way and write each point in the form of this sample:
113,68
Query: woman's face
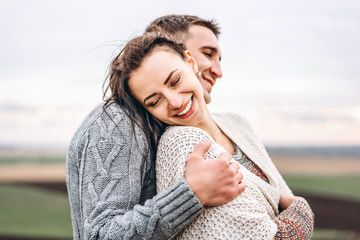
167,87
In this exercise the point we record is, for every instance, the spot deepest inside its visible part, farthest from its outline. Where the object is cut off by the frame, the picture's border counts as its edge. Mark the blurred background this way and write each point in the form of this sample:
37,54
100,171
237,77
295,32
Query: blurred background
290,67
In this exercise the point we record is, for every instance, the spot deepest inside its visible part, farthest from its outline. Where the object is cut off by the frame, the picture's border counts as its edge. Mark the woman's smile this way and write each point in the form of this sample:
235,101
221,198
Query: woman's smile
186,110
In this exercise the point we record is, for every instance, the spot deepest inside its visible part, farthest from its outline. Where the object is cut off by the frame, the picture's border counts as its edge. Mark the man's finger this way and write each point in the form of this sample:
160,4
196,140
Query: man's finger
240,188
235,166
239,177
201,148
225,156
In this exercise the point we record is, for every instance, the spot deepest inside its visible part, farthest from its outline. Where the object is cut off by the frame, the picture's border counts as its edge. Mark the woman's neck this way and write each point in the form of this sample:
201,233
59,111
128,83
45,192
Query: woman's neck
215,132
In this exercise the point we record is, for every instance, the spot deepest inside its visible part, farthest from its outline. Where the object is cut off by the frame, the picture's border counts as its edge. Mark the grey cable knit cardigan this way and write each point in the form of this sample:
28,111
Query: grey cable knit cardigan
111,184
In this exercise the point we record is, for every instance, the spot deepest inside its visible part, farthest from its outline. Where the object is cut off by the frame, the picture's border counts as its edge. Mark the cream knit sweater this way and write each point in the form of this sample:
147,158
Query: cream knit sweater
249,216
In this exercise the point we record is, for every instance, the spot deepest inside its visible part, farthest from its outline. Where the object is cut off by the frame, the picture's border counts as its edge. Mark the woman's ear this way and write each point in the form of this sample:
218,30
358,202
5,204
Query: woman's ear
191,61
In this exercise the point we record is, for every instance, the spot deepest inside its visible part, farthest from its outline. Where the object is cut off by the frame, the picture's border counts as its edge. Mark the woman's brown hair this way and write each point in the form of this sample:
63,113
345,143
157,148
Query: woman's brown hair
127,61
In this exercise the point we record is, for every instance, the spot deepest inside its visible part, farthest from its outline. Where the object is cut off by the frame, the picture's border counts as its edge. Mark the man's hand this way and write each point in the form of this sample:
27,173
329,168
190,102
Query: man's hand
214,182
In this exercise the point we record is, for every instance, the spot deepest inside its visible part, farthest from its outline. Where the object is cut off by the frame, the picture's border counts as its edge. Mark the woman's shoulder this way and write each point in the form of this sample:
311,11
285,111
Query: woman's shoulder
229,117
178,142
231,120
183,134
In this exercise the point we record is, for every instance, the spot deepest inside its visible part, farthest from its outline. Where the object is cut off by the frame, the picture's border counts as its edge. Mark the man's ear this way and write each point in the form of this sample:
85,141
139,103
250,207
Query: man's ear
191,61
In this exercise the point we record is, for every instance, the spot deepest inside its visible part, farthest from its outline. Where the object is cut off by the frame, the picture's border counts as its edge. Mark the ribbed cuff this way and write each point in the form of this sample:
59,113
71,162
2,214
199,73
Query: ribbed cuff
178,205
301,206
296,222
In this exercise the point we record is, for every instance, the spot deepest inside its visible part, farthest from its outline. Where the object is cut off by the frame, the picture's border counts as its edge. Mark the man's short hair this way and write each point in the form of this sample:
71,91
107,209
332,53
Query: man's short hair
178,25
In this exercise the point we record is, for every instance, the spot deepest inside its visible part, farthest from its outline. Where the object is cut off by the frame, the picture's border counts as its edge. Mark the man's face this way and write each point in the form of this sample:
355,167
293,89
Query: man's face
204,47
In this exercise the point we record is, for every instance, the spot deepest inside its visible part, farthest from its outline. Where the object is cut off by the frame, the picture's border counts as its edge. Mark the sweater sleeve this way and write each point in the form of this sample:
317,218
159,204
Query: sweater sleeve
296,222
111,191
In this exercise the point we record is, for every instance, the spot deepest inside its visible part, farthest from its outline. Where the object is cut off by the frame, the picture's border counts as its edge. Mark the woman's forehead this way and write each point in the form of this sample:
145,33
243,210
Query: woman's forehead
160,62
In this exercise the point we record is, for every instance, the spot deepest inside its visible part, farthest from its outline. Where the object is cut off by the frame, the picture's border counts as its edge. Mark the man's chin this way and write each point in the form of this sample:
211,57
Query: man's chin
207,98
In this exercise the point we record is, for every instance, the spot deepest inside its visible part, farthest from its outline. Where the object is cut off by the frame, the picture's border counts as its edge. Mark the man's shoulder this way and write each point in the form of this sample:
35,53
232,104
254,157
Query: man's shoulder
103,123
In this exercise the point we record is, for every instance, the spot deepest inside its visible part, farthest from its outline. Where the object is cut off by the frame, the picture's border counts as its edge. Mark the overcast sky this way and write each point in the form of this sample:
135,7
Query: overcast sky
290,67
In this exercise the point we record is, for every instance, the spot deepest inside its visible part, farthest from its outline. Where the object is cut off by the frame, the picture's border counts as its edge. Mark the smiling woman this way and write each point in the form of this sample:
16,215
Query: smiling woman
155,80
171,95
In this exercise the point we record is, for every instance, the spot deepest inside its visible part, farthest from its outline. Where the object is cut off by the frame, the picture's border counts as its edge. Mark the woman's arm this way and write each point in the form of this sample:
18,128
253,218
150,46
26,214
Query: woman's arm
296,221
244,217
248,215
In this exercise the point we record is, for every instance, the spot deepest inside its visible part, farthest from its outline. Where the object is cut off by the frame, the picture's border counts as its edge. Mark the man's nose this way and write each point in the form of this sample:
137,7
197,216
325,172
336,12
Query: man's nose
216,70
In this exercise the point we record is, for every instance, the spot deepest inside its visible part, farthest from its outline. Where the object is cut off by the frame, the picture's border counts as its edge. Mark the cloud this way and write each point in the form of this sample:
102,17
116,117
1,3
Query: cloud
284,63
17,108
6,124
318,116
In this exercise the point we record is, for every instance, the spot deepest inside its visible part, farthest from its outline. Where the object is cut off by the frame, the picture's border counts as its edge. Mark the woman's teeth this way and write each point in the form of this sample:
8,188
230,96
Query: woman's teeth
186,110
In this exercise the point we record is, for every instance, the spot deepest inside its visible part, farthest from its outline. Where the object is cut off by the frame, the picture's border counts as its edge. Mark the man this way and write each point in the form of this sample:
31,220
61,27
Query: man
111,174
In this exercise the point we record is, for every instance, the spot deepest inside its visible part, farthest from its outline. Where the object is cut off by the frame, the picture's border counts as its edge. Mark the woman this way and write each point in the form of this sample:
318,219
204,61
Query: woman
154,79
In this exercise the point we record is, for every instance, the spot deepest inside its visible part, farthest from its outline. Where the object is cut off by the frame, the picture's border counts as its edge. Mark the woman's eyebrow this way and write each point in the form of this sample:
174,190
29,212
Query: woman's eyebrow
150,96
170,74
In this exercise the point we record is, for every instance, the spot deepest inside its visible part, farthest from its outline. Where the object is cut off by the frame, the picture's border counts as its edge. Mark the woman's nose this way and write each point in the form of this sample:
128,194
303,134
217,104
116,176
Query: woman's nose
174,101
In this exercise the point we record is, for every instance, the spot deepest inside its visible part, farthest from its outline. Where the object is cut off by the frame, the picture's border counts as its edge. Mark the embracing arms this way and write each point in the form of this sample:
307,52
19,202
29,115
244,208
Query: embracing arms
111,184
111,190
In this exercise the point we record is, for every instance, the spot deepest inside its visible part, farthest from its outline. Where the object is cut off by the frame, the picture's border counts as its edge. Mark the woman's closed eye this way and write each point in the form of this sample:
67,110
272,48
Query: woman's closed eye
175,82
153,103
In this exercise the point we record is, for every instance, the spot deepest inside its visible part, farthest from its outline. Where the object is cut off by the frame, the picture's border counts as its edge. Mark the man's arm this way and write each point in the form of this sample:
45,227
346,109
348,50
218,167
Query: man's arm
108,177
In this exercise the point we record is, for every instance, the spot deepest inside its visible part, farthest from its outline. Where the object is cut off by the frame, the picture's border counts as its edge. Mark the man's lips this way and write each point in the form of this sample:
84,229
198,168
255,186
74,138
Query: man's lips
210,80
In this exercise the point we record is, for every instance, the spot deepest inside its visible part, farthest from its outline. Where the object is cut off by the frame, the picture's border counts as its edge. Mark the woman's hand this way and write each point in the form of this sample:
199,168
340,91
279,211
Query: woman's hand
286,200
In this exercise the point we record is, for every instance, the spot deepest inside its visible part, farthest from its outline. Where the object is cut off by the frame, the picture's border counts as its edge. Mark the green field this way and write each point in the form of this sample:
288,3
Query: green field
343,187
346,187
35,159
33,211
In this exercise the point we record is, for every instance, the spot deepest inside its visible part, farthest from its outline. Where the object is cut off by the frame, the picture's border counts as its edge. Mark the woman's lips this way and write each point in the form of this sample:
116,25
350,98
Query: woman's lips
187,109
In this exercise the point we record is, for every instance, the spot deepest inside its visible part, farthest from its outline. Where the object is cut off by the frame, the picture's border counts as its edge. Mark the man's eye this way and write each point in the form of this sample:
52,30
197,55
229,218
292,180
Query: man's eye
154,102
207,54
176,81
